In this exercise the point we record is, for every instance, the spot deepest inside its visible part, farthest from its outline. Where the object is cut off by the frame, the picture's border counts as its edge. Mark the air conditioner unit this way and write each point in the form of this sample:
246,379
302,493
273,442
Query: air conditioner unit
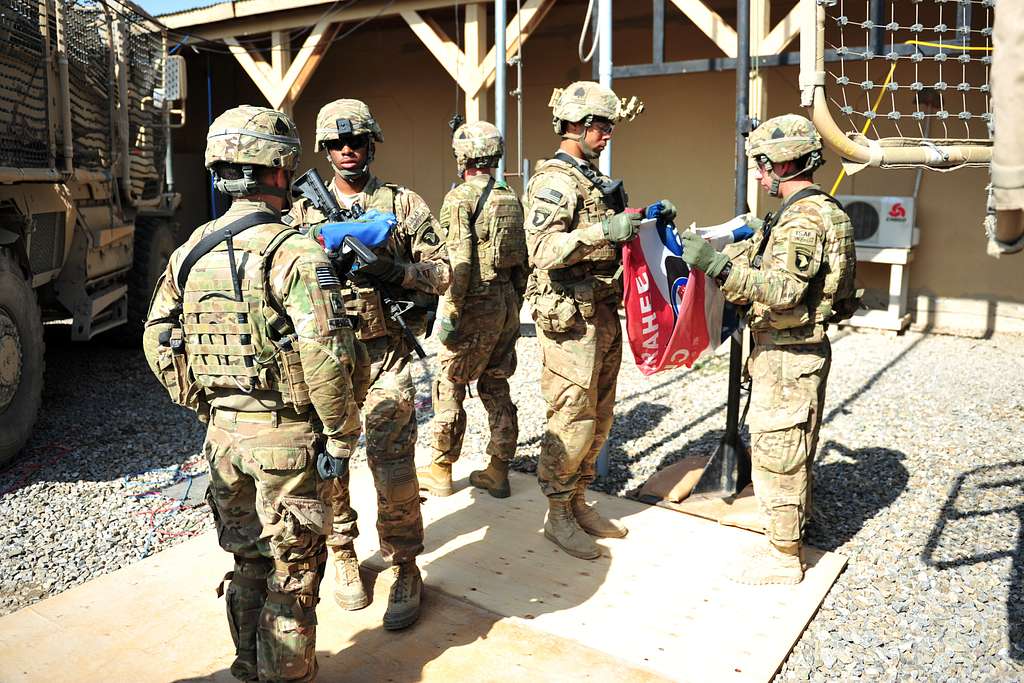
881,221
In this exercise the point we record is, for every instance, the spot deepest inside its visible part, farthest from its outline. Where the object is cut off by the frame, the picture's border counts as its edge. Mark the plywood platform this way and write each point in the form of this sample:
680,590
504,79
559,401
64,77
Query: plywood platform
502,604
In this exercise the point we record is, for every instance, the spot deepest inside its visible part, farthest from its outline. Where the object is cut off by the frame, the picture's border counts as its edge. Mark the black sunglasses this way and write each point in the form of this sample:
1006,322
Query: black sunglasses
354,142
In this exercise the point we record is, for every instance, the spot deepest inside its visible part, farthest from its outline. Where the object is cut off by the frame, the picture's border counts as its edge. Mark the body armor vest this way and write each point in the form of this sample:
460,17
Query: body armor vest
831,296
241,346
597,275
499,241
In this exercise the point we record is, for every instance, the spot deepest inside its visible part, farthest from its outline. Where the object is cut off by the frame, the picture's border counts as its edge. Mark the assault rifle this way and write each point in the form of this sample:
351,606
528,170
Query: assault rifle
353,257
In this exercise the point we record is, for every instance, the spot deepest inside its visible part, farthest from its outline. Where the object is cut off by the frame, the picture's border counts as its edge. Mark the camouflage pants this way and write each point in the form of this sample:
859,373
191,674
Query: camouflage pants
389,415
787,396
263,494
578,382
485,352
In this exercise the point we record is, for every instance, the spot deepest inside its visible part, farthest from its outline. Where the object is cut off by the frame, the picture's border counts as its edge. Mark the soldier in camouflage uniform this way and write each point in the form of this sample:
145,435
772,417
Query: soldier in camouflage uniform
576,220
250,331
797,275
482,221
347,133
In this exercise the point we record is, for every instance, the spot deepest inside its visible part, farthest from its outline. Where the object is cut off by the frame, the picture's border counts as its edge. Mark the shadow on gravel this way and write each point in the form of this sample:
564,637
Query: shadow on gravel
104,416
982,521
841,407
847,494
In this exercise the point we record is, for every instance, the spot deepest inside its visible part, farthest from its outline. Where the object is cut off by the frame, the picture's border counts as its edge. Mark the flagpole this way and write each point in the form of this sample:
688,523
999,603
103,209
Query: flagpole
728,471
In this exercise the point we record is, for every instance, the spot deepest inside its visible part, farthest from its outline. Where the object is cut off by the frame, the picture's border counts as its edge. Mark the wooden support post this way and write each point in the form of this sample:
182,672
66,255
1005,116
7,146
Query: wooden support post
473,70
760,23
283,80
476,50
280,60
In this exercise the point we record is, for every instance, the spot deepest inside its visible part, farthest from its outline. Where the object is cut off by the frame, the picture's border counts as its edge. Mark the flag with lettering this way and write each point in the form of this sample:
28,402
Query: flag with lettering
672,315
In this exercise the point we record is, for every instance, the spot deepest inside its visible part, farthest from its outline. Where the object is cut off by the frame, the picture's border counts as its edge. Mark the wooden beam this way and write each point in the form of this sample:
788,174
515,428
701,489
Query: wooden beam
306,60
440,45
280,60
711,24
259,71
783,33
760,24
531,14
475,31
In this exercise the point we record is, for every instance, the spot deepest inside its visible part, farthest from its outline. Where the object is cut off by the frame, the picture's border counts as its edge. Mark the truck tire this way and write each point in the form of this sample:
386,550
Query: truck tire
21,358
155,240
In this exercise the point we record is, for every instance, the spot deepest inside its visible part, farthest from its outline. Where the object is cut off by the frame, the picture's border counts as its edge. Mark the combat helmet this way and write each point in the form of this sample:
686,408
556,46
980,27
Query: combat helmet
785,138
477,144
342,118
250,137
582,101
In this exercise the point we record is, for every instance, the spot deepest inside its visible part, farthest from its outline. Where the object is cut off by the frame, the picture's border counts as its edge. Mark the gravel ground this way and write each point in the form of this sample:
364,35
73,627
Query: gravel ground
918,482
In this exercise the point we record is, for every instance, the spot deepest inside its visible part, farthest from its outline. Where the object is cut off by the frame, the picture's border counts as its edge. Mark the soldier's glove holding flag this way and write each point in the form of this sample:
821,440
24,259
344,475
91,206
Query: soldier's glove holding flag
449,329
663,210
385,269
330,466
622,227
700,255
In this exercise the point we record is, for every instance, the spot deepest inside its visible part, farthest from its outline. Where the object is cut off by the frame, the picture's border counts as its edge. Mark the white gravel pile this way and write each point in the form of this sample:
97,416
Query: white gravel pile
918,481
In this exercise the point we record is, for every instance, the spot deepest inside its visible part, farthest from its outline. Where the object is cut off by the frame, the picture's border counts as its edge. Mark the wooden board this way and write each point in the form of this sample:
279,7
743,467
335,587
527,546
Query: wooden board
159,621
657,599
503,604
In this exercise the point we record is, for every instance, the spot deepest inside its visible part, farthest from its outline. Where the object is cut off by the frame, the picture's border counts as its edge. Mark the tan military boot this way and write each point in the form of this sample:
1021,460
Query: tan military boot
593,523
349,592
436,479
562,529
770,565
494,479
404,599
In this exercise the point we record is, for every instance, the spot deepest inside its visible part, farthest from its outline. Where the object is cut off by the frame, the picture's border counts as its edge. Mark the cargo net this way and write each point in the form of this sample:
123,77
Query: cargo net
24,131
90,72
911,73
147,135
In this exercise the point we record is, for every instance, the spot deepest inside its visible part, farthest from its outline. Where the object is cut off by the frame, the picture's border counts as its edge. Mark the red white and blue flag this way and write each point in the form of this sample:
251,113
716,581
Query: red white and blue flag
674,315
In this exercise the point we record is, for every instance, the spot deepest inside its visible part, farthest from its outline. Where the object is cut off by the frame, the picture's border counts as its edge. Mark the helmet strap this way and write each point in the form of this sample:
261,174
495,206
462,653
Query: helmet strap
358,174
581,139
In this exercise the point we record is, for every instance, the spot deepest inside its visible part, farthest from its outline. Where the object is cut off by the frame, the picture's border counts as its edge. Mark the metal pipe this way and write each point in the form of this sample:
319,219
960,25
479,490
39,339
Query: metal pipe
65,90
728,471
604,67
500,88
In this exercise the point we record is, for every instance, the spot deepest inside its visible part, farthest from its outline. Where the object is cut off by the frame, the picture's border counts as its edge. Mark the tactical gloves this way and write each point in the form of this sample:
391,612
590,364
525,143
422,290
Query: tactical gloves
622,227
330,467
385,269
449,331
663,210
700,255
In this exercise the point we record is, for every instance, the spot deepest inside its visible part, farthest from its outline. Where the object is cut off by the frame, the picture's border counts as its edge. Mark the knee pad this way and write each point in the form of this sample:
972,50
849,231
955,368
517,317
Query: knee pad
396,481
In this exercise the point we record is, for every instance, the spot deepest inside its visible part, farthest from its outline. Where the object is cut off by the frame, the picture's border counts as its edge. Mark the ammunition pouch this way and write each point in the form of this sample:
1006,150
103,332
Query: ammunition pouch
294,389
174,372
554,311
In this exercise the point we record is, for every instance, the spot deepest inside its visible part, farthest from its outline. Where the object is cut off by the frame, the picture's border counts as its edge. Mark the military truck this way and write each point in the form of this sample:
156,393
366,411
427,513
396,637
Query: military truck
88,95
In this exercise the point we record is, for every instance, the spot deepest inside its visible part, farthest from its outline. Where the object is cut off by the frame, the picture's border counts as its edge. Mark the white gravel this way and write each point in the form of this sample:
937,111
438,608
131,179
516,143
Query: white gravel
918,481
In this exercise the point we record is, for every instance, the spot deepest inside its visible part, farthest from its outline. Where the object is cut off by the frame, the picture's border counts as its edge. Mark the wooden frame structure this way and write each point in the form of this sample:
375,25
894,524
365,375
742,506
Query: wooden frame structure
282,80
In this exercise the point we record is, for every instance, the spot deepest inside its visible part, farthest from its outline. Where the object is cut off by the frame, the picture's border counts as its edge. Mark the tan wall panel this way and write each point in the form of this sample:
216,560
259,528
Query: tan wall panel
681,147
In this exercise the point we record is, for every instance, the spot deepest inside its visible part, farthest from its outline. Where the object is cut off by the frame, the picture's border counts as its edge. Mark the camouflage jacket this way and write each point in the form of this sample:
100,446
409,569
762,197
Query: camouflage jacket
295,281
561,205
807,265
472,250
415,241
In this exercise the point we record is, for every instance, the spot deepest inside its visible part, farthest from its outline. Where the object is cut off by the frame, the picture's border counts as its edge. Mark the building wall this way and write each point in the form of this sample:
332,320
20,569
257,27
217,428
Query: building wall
680,148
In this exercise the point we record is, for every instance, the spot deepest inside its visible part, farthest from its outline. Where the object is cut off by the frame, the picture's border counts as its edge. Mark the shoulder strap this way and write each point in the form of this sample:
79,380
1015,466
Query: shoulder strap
480,204
208,243
774,218
588,172
279,321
